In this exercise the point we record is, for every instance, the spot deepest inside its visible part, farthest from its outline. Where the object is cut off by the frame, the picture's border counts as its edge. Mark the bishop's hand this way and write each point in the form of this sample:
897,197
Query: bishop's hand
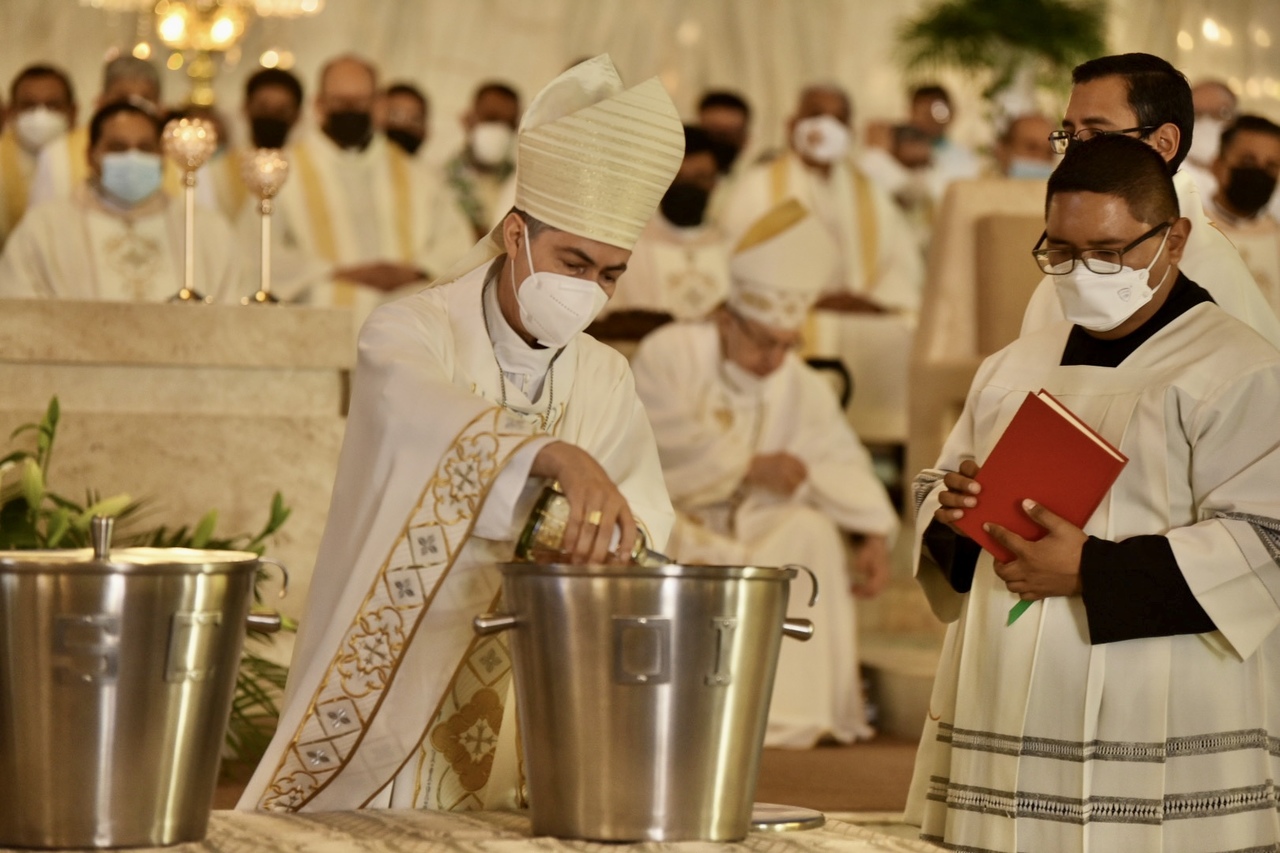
1047,567
779,472
961,493
596,507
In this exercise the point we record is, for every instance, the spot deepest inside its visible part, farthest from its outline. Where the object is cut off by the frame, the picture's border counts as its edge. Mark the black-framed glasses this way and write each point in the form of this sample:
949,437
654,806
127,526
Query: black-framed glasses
1061,140
1100,261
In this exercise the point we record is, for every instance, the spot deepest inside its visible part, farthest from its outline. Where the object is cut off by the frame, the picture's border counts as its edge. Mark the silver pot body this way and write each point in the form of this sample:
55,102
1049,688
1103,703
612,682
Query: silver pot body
116,681
643,694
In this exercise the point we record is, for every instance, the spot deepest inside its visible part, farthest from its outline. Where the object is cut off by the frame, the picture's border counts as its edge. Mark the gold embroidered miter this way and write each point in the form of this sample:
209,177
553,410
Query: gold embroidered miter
779,266
593,158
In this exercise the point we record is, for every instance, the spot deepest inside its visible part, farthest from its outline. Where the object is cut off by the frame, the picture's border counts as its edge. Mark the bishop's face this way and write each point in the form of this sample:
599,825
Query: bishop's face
755,347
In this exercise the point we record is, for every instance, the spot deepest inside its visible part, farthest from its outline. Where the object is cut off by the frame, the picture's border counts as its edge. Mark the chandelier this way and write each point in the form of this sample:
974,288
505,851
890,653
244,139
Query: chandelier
202,30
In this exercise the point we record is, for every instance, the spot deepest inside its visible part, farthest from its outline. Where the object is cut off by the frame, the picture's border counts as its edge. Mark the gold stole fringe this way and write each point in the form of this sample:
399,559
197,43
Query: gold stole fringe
366,663
868,229
344,292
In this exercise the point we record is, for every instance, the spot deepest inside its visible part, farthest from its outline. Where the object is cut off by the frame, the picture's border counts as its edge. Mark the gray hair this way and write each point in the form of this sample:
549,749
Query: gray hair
829,88
129,67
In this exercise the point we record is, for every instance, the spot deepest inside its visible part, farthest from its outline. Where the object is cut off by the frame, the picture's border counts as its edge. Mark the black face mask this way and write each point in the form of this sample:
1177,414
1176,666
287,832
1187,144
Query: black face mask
684,204
349,128
726,153
1248,189
406,139
268,131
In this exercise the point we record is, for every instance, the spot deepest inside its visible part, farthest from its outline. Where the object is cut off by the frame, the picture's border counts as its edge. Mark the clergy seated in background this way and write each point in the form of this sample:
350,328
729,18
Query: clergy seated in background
358,218
119,236
680,266
1023,150
1144,96
1245,173
481,174
42,108
1134,704
467,399
763,468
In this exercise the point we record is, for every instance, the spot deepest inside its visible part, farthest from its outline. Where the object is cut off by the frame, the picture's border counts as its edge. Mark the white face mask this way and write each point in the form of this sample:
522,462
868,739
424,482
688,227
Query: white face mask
822,139
1100,302
37,126
491,142
555,307
1206,133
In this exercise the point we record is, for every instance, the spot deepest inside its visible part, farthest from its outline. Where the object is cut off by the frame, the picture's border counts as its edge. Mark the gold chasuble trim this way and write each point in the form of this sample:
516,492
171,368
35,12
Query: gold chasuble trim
15,183
317,204
399,601
400,183
864,200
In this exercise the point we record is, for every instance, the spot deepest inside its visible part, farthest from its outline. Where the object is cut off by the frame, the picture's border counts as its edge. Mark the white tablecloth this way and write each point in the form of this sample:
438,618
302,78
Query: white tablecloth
409,831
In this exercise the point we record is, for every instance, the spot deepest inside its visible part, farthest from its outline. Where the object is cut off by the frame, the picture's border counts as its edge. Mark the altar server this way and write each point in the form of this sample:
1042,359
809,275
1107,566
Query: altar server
119,236
764,469
1136,704
468,397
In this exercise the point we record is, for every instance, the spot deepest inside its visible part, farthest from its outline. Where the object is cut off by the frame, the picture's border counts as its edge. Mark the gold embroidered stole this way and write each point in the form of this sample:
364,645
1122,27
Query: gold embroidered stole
415,582
13,178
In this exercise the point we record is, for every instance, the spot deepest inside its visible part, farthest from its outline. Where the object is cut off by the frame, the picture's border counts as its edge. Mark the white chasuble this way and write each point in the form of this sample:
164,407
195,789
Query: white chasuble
708,430
82,248
1258,242
1038,740
1209,259
681,271
392,700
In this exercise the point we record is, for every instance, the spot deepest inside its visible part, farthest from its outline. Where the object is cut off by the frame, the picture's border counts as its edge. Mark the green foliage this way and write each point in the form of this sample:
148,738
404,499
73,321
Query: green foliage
32,516
997,37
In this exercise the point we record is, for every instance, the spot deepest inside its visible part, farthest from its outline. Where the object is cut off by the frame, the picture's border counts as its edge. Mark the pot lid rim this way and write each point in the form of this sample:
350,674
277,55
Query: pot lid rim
125,559
669,570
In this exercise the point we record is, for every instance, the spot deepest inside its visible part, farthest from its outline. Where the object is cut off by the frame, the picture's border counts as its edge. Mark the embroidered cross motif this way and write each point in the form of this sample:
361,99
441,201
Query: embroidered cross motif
318,757
491,660
479,740
339,718
405,589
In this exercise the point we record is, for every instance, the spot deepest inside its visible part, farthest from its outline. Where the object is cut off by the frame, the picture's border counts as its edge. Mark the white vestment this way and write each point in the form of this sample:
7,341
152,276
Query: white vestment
344,207
1038,740
683,272
708,430
1258,242
1208,259
83,248
393,701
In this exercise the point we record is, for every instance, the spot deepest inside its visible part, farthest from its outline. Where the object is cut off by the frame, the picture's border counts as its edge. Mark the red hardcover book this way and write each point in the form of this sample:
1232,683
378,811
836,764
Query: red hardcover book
1046,454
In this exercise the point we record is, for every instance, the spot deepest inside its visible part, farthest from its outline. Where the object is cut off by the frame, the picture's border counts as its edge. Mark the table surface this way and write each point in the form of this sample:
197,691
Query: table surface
413,831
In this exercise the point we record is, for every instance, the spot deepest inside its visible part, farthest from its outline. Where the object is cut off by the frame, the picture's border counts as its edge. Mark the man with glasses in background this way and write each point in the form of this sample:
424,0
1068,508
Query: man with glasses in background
1143,96
1132,706
764,470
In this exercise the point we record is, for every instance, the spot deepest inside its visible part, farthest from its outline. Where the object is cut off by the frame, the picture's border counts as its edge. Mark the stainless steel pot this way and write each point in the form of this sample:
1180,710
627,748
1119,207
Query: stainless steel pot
117,670
643,694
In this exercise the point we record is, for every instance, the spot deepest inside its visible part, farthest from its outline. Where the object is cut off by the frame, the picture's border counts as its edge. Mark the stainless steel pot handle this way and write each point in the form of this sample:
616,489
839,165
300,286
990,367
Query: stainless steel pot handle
494,623
284,573
798,629
813,579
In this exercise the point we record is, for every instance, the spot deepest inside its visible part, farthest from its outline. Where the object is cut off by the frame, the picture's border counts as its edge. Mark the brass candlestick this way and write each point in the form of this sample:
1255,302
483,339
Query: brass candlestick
189,142
264,173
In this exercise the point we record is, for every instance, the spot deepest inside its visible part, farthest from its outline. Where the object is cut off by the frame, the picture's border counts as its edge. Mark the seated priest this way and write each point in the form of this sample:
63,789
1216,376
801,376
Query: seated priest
764,469
680,266
468,398
119,236
1135,704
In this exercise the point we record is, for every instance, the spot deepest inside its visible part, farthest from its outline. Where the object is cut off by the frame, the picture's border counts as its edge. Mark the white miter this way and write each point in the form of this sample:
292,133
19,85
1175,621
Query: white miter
780,265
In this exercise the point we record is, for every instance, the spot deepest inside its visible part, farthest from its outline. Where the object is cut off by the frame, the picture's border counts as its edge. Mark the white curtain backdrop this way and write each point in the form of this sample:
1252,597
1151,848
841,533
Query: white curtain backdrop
766,49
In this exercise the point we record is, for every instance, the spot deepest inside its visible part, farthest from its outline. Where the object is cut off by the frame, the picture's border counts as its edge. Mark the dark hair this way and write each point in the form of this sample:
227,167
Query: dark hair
532,223
133,106
274,77
496,87
726,99
930,90
697,140
406,88
1256,124
32,72
1118,166
1158,93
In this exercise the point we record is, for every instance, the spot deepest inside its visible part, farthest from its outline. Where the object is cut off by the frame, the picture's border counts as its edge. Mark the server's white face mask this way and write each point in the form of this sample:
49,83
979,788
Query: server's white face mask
491,142
555,307
822,139
38,126
1099,301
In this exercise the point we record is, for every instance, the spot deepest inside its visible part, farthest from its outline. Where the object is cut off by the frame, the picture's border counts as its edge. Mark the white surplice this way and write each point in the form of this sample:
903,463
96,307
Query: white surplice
681,271
83,247
1258,242
343,207
1209,260
708,429
392,700
1037,740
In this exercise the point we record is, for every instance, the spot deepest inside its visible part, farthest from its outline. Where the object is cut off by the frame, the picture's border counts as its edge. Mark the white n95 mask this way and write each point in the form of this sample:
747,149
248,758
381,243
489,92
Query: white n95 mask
1100,302
822,139
491,142
36,127
555,307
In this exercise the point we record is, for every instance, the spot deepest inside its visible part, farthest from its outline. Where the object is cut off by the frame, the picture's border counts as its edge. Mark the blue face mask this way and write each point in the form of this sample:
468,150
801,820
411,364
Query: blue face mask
1039,170
131,176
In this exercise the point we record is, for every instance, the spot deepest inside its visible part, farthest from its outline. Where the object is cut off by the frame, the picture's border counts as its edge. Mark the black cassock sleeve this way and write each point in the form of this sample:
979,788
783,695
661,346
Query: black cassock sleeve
956,555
